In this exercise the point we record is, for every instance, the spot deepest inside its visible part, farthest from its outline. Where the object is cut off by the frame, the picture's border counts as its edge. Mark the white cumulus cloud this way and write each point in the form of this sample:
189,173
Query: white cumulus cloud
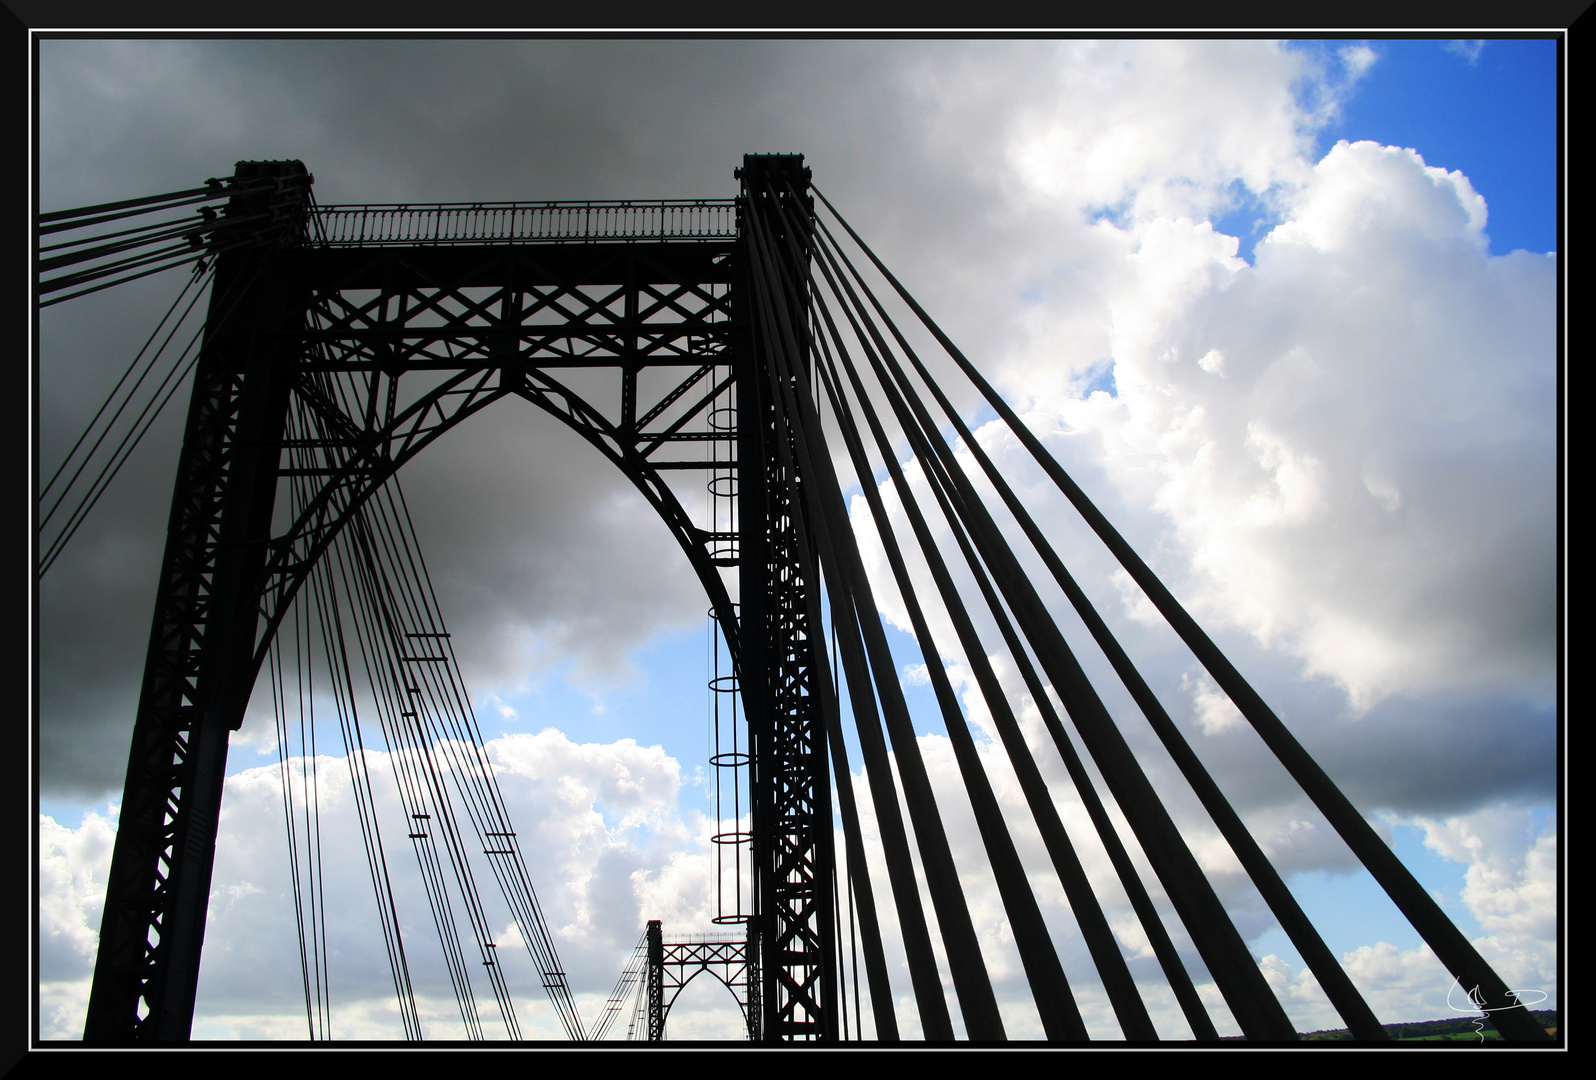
1370,486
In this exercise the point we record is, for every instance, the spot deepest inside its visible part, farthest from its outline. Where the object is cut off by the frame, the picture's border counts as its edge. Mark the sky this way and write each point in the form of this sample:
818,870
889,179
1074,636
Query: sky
1286,311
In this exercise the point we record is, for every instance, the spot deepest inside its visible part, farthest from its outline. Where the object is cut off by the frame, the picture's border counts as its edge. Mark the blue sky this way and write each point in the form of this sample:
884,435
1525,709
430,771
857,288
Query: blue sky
1491,114
1486,109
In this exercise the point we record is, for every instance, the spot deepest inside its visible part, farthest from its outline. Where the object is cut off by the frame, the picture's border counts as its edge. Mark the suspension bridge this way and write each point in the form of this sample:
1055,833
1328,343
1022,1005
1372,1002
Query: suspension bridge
739,362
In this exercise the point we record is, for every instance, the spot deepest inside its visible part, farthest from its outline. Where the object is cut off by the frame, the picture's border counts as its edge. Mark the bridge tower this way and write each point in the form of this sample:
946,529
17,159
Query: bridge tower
522,295
781,621
198,672
731,959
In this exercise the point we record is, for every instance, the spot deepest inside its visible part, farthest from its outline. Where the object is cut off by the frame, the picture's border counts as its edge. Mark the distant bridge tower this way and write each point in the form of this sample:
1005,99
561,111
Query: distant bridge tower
730,959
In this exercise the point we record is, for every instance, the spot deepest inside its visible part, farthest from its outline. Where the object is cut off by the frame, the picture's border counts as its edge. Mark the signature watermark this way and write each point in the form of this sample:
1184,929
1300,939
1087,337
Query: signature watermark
1522,999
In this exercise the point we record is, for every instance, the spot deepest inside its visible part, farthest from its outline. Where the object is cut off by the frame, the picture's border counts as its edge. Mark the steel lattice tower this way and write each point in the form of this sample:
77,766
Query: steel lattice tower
668,294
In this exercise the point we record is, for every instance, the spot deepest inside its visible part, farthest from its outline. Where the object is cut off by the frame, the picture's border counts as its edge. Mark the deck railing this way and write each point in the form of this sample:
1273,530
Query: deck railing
410,224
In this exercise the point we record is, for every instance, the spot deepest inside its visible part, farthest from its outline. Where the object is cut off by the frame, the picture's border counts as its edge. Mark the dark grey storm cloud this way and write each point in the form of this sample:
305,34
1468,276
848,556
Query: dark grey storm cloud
538,517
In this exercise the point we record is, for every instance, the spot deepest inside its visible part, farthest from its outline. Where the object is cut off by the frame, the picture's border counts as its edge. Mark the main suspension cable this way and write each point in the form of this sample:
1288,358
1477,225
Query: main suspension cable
176,376
619,996
434,729
115,390
1453,949
139,247
1332,977
1253,1003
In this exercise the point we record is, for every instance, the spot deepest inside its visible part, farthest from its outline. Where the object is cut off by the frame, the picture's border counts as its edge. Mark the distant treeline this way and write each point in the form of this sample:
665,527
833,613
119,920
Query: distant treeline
1436,1029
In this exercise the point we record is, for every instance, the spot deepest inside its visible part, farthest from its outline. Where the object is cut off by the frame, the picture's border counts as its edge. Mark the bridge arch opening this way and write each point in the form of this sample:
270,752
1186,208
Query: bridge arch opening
705,1008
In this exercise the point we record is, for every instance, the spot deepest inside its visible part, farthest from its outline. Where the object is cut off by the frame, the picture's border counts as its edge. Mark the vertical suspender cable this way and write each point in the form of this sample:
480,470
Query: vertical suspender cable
345,705
323,596
358,589
420,808
280,716
424,758
473,774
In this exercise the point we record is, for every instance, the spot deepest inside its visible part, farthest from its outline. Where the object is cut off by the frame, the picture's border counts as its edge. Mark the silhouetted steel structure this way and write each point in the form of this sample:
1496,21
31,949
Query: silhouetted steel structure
387,326
730,959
